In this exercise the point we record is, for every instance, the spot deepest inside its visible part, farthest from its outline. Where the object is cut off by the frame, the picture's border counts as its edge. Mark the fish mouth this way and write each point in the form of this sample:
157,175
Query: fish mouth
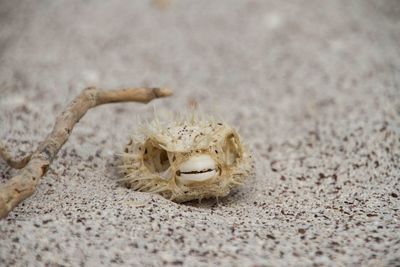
198,168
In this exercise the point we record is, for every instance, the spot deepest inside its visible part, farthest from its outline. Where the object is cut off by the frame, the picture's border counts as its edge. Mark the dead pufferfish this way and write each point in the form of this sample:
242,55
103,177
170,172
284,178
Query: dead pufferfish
186,159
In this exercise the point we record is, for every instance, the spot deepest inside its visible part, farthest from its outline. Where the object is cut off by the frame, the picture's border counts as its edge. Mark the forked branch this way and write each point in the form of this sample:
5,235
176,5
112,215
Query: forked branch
14,163
34,166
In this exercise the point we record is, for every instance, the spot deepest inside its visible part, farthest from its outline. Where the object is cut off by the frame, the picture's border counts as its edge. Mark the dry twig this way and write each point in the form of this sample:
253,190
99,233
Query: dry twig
14,163
36,165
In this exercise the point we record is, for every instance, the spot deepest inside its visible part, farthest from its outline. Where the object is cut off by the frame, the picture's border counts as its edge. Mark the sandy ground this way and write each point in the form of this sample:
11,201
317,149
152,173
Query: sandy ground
313,88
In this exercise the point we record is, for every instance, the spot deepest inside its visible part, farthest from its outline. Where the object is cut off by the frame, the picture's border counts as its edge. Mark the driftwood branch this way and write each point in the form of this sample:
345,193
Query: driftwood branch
14,163
34,166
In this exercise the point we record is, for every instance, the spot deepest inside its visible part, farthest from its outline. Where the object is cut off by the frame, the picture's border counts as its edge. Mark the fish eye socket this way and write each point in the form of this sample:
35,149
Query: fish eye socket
232,149
155,158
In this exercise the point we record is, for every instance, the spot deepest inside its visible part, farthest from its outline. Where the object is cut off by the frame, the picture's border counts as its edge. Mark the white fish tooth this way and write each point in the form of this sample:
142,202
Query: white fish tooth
198,163
197,177
197,169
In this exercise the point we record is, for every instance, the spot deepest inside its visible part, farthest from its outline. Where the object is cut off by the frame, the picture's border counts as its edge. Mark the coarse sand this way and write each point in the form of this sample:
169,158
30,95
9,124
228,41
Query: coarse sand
313,87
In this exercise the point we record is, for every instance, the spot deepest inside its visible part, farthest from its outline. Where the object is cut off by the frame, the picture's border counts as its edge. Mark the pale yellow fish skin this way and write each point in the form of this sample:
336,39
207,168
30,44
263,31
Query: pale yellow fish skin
151,159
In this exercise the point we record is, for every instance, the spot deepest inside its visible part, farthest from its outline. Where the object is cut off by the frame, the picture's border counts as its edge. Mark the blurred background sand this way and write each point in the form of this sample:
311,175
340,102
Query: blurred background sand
313,87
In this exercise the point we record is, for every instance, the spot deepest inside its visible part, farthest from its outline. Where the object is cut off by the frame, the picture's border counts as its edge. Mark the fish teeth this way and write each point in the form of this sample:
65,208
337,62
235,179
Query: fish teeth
198,163
197,169
197,177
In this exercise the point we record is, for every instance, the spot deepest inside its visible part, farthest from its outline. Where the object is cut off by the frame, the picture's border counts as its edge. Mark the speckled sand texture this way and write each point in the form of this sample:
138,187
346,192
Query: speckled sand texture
313,86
